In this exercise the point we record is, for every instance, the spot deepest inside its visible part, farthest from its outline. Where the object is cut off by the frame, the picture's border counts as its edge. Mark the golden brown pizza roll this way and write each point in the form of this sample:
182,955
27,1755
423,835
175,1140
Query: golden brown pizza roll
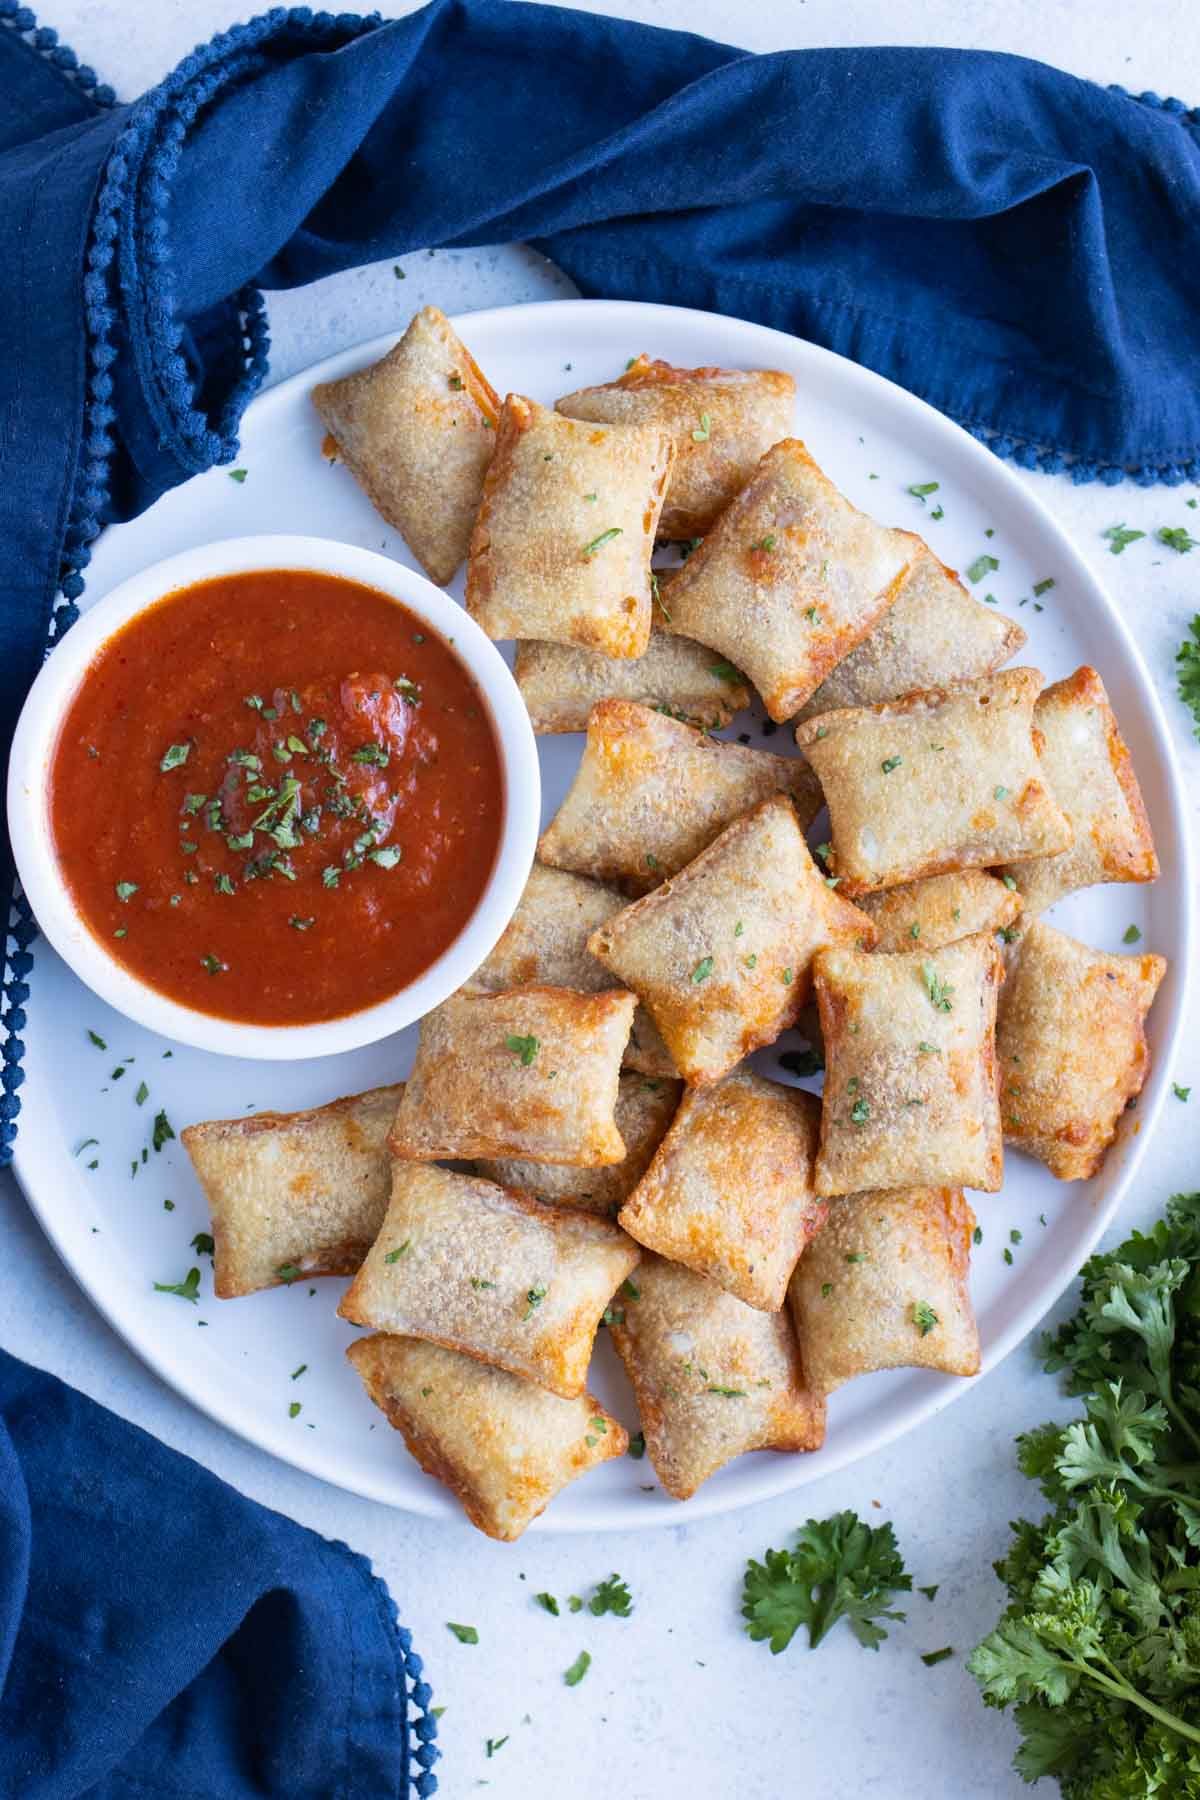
503,1446
294,1194
730,1192
885,1286
417,431
645,1107
713,1377
941,780
1071,1046
721,954
494,1274
651,792
561,547
1091,777
560,684
545,945
719,420
790,578
910,1068
924,915
934,633
531,1073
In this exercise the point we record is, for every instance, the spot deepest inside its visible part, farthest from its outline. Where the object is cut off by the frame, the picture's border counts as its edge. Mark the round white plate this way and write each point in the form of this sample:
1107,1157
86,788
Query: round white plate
128,1222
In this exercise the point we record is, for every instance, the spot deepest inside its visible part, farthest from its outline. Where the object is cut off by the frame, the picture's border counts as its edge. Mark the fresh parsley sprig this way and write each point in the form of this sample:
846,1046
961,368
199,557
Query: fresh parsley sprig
1099,1644
839,1568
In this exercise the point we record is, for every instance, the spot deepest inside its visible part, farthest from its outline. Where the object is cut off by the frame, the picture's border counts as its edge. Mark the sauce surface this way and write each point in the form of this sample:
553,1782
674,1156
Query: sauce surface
277,797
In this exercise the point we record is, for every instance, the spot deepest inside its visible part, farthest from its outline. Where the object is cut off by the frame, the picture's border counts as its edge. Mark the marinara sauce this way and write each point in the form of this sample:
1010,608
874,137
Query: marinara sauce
277,796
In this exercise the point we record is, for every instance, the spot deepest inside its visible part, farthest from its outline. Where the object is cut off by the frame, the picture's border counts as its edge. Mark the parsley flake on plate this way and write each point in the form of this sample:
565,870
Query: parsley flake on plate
921,489
162,1130
1119,538
578,1669
466,1634
1176,537
187,1289
983,565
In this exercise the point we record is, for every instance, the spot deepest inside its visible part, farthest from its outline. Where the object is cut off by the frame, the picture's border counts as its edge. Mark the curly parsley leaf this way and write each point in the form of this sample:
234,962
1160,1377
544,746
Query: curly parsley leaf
611,1596
1097,1645
1187,666
839,1568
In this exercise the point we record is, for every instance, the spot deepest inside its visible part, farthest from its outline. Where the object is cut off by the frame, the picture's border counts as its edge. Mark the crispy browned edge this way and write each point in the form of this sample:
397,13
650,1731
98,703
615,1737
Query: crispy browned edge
424,1450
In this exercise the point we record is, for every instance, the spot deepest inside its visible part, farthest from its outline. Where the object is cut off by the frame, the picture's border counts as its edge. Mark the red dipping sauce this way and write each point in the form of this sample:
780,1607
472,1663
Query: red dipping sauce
277,797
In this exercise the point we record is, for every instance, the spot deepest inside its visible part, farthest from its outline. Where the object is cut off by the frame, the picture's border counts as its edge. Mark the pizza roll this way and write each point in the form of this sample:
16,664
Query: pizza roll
885,1287
1092,779
502,1445
417,431
924,915
721,954
560,684
934,633
730,1192
645,1108
651,793
494,1274
910,1068
294,1194
942,780
561,547
529,1073
719,420
712,1376
545,945
790,578
1071,1046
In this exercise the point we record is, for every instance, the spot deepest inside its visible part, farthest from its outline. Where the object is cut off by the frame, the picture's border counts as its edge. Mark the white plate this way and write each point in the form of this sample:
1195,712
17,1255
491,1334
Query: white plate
235,1359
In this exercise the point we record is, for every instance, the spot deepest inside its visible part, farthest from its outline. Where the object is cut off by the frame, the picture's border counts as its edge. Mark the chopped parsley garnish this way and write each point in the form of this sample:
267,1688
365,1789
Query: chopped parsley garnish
725,671
125,891
238,475
730,1393
637,1446
223,884
534,1298
924,1317
767,543
162,1130
920,490
1180,1093
1131,935
203,1244
466,1634
1000,793
393,1256
611,1596
142,1095
578,1669
801,1062
373,753
174,756
983,565
860,1112
605,537
839,1568
494,1744
297,1373
294,1410
86,1145
386,857
288,1272
187,1289
939,991
703,431
548,1603
931,1657
213,964
1043,587
890,762
927,1049
98,1041
299,924
1176,537
702,970
523,1048
1119,538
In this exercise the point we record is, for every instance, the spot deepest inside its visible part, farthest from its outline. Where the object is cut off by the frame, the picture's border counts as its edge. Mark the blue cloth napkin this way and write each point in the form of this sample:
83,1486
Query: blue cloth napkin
162,1636
1014,244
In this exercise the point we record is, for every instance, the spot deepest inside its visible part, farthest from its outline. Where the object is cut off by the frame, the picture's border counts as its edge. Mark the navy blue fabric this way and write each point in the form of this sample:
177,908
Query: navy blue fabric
161,1635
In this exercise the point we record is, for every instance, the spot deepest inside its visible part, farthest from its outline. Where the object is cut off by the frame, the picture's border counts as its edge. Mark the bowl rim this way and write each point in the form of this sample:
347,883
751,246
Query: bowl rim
34,741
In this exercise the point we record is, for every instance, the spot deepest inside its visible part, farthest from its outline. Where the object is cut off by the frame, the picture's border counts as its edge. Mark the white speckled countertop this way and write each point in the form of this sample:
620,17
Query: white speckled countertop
678,1701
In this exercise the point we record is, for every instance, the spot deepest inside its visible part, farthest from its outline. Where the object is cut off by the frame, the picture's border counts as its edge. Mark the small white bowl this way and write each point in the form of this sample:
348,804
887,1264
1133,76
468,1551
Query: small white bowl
29,813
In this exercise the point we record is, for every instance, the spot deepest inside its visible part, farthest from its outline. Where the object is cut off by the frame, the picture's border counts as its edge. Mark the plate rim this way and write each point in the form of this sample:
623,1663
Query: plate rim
938,1391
